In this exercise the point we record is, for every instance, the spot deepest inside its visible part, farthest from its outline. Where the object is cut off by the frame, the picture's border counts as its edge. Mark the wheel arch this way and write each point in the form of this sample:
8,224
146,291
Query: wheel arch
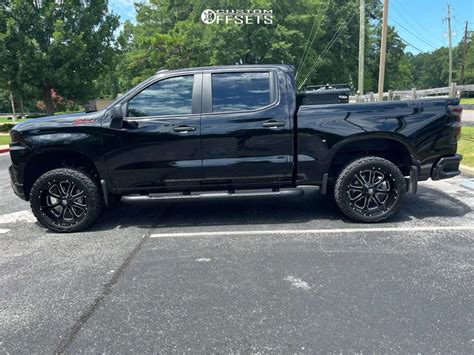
45,160
394,148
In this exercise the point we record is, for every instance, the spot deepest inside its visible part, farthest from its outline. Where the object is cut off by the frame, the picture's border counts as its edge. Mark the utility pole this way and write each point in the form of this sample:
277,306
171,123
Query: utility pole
450,47
361,46
12,101
464,55
383,49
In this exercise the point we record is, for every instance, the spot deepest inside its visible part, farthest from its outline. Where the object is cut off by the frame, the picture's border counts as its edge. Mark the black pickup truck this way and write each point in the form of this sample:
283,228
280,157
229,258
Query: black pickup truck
230,130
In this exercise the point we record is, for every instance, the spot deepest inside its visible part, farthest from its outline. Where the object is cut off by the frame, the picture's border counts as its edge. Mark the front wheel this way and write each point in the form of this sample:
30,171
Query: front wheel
66,200
369,189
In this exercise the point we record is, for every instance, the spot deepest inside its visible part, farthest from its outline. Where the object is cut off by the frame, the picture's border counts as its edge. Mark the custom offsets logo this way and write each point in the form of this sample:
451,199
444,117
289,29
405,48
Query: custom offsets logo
239,17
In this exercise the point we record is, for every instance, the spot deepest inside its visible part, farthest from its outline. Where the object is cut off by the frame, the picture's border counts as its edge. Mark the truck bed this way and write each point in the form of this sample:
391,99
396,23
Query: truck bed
417,126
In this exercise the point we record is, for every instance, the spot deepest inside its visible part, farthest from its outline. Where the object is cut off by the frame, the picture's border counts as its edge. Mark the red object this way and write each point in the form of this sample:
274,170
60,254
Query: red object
4,150
456,111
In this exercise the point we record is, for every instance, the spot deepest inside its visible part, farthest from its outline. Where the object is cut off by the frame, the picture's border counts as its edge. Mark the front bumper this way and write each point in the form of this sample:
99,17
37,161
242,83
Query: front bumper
17,187
446,167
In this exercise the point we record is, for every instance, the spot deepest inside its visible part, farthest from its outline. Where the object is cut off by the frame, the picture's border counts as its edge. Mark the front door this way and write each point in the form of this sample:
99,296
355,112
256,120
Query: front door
159,143
245,128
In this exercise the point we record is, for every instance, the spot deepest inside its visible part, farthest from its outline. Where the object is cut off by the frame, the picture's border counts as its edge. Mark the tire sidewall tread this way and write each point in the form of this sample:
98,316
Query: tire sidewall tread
347,174
83,179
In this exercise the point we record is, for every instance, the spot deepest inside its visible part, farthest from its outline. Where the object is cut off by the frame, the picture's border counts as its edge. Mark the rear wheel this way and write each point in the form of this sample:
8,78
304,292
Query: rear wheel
369,189
66,200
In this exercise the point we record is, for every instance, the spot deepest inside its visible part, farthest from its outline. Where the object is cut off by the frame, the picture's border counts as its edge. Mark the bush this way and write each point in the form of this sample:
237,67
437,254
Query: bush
6,127
36,115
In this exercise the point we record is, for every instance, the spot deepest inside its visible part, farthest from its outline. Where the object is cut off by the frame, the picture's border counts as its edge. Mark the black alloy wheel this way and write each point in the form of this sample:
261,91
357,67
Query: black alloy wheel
372,191
369,189
66,200
63,202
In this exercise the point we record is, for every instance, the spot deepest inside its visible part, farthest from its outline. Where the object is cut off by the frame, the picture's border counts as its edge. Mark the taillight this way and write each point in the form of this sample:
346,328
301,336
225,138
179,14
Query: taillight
456,111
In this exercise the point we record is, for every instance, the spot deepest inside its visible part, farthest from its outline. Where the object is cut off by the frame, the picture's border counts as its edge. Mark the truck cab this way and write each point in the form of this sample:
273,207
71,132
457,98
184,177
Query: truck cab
203,128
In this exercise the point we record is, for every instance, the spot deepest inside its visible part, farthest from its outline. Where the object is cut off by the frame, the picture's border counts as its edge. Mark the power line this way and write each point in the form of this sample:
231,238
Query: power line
307,48
417,21
457,26
333,40
307,43
336,35
408,43
414,34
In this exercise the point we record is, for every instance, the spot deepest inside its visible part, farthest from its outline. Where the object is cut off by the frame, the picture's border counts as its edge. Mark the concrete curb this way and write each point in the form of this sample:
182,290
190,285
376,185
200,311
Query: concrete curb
4,148
466,170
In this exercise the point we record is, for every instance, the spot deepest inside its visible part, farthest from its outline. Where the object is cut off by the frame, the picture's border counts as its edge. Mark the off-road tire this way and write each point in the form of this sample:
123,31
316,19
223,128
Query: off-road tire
54,182
387,193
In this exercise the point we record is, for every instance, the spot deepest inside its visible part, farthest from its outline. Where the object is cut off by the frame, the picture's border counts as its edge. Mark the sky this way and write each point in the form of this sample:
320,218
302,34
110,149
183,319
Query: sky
418,22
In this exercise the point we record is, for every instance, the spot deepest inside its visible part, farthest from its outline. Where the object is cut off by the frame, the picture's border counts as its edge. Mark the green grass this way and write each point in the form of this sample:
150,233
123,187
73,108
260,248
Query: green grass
466,146
4,139
467,101
4,119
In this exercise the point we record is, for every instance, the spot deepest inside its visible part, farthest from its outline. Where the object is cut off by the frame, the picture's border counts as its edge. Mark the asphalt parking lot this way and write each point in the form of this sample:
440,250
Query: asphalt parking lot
250,275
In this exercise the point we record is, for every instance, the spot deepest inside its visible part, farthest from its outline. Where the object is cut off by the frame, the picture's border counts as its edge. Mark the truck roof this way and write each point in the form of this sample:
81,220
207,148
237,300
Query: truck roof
284,67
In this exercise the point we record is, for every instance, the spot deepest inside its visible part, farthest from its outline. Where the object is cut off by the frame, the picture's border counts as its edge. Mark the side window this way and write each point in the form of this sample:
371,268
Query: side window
240,91
173,96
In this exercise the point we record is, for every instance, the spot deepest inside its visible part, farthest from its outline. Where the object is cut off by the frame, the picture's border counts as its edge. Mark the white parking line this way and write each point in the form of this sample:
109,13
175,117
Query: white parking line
3,231
22,216
316,231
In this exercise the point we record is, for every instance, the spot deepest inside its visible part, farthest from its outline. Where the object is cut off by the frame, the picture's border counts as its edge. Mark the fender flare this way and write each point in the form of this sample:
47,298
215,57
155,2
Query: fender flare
366,136
97,162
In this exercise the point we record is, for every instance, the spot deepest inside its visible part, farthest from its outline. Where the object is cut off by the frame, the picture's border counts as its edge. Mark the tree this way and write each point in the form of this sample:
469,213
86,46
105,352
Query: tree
51,44
397,66
170,34
431,69
469,60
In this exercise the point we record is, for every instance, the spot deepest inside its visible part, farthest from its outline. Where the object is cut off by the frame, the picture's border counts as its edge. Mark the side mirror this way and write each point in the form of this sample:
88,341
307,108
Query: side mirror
117,117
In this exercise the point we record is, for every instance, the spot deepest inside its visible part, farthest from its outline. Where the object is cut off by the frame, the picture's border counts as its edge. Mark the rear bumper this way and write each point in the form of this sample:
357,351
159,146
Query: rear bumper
17,187
446,167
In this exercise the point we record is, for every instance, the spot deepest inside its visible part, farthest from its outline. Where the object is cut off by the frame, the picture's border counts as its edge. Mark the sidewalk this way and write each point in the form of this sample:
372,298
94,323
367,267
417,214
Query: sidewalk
467,170
4,148
467,118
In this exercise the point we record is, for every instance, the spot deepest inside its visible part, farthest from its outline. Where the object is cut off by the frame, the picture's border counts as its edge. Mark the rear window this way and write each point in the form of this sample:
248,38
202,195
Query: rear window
240,91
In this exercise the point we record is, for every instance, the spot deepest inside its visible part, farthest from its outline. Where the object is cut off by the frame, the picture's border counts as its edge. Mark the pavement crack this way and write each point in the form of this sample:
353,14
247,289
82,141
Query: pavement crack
90,310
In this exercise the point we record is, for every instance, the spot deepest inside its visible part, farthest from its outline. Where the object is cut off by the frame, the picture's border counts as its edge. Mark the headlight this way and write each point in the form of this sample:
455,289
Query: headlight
15,136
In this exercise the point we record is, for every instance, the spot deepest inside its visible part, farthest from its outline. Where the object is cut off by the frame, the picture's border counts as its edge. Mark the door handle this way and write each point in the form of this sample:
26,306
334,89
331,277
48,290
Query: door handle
184,129
273,124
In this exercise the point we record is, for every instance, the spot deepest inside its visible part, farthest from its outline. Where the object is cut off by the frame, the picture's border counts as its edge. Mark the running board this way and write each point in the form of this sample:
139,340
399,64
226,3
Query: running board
140,199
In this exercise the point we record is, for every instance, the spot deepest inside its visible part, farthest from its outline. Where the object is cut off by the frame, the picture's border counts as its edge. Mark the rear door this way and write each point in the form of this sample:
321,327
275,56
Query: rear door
246,130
